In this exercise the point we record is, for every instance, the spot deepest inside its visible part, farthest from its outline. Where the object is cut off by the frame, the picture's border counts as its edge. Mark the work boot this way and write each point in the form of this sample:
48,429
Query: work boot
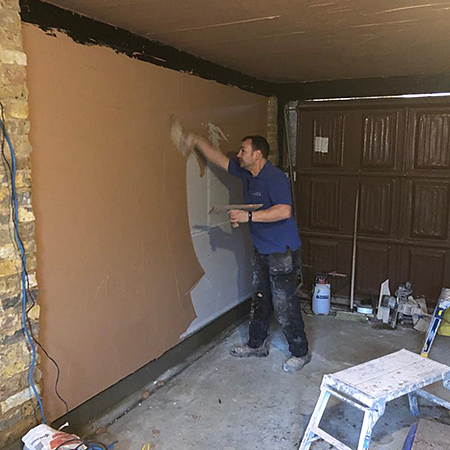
296,363
244,351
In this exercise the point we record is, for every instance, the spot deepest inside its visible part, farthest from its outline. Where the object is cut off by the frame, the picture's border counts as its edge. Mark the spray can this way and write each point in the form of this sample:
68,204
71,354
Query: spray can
321,296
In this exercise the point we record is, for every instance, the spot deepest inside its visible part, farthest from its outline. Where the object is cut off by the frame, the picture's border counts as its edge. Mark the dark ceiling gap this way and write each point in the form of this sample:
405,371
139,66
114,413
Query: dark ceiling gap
92,32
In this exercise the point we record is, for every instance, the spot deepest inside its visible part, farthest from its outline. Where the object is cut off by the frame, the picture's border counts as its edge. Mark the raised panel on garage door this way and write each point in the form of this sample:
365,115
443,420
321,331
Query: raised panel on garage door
428,269
379,207
375,263
323,254
381,140
427,217
328,140
326,203
429,141
324,141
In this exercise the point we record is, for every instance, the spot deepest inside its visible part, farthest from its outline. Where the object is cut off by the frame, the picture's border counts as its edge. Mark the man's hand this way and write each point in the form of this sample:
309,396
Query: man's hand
191,141
237,216
274,214
195,142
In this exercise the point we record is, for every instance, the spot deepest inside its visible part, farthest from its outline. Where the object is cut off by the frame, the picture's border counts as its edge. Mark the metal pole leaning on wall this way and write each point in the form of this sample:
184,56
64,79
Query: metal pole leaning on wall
291,169
355,232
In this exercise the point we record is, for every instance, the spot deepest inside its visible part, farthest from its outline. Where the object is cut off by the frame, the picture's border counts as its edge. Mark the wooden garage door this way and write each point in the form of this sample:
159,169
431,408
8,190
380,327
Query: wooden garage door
398,156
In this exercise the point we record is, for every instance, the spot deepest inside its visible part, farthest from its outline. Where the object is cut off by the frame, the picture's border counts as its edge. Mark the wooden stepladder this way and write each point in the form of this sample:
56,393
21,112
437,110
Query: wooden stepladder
369,386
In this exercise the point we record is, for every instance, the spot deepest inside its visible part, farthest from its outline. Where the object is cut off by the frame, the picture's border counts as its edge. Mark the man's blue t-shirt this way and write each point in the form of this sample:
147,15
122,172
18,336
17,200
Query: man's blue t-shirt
270,187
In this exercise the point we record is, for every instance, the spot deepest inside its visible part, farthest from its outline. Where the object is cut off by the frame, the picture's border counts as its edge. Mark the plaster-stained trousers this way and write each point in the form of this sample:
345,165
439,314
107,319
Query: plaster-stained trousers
274,289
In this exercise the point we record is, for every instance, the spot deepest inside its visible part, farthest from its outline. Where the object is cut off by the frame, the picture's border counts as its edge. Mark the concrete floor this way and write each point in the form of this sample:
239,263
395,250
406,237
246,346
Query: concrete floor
220,402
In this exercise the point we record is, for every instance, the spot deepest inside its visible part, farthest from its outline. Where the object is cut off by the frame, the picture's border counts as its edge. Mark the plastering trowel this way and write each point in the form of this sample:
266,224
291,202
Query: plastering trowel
217,209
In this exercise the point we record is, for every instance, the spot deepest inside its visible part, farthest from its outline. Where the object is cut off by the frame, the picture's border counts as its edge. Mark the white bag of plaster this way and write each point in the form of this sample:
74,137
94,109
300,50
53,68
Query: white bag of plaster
44,437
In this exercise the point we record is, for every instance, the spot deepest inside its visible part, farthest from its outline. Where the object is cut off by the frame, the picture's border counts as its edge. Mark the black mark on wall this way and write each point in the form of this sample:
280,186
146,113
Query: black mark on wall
91,32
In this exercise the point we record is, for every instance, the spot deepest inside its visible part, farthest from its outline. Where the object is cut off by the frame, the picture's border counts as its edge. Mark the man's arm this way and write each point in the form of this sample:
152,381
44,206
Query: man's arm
211,153
274,214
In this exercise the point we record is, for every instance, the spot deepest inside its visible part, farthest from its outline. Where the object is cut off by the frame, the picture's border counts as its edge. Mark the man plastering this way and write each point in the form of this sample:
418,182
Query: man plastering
277,243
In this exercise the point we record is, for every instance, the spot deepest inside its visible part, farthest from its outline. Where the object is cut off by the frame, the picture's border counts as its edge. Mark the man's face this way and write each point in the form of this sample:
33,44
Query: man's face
246,155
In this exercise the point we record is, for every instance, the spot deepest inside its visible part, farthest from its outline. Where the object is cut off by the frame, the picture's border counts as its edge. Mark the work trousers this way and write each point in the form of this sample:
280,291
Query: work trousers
274,289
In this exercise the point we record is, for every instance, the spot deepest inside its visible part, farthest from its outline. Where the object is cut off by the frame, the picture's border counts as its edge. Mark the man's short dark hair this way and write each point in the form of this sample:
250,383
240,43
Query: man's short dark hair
259,143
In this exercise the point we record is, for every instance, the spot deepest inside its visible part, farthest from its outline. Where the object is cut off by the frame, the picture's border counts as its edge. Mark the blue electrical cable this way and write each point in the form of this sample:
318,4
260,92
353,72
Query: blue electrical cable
24,269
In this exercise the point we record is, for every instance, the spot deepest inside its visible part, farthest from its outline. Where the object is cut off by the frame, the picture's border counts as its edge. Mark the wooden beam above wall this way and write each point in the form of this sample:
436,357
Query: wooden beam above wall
366,87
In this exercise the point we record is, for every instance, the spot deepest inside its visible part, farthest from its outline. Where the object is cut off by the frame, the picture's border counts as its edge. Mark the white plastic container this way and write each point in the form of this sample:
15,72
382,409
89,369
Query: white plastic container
321,297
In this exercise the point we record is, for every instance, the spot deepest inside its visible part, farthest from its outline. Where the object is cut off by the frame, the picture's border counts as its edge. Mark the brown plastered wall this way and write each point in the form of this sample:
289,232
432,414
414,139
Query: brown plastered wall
16,402
115,256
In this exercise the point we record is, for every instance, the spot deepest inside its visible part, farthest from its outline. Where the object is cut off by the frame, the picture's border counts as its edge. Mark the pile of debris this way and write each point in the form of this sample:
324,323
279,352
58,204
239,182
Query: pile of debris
403,307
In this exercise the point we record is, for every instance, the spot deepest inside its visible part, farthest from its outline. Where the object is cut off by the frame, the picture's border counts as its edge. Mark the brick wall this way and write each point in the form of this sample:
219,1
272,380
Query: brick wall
272,129
17,406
